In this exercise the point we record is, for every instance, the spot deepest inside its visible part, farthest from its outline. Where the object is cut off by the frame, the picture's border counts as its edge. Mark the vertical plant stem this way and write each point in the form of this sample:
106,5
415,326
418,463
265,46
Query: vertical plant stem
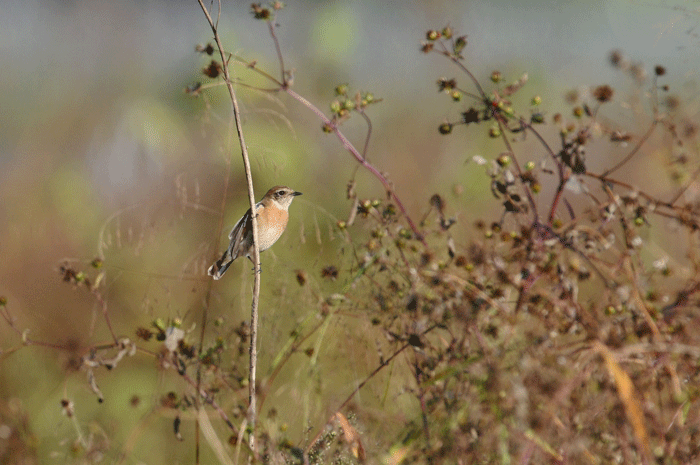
235,115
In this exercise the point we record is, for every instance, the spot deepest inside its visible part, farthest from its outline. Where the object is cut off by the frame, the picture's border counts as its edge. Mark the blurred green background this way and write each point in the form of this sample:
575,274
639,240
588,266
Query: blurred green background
102,153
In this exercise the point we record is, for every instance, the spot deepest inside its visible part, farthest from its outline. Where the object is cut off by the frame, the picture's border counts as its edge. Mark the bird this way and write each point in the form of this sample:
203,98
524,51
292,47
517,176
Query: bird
272,214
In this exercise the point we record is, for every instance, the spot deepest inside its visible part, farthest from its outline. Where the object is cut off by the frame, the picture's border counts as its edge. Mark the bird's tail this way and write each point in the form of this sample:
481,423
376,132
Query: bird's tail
220,266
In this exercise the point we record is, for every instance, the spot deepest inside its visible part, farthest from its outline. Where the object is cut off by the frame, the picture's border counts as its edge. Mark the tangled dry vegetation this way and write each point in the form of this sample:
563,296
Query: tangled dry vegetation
562,332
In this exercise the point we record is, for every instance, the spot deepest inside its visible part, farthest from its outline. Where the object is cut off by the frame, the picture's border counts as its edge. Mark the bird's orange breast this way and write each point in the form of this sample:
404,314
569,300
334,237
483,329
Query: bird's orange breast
271,224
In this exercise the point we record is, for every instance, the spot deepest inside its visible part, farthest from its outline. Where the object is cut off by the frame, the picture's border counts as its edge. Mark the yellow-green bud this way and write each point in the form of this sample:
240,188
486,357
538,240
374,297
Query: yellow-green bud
432,35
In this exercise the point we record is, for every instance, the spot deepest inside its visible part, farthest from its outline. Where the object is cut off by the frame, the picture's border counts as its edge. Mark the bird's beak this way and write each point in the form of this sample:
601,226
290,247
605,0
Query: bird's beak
296,193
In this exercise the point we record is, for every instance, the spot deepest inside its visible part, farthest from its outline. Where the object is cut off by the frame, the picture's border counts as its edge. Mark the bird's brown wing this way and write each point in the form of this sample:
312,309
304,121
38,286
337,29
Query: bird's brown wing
236,234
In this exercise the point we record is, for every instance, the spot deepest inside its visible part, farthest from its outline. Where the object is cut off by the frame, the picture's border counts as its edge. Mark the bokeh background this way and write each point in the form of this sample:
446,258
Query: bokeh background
104,154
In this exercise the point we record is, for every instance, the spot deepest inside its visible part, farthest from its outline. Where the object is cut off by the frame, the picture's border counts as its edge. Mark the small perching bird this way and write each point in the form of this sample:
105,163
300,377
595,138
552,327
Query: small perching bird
272,216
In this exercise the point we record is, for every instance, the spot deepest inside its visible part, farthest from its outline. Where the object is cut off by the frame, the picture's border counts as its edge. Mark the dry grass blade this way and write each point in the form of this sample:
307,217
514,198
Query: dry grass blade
210,435
351,436
629,399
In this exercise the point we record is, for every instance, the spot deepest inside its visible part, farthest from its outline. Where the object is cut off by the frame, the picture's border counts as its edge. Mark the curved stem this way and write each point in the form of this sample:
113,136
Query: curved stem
634,151
271,25
455,59
369,133
360,159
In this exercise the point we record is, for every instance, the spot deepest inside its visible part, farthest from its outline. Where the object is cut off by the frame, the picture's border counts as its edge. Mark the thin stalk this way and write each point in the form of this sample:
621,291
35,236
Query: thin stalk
235,116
